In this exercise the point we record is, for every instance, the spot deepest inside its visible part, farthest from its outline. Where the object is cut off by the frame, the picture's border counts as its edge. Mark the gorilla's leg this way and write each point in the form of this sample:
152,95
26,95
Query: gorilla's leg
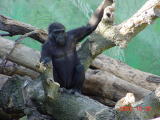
57,78
78,78
62,88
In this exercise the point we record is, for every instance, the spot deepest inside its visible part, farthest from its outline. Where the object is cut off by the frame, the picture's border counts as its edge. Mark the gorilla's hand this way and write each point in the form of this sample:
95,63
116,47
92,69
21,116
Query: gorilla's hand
45,61
44,64
41,66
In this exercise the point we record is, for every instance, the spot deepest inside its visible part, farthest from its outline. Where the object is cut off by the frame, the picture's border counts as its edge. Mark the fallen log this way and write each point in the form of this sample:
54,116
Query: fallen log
3,79
125,72
9,68
105,85
104,100
21,54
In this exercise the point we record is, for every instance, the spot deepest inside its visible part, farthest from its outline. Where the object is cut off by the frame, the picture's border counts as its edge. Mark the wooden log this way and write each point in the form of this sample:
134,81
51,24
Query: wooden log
21,55
11,68
104,100
125,72
3,79
106,85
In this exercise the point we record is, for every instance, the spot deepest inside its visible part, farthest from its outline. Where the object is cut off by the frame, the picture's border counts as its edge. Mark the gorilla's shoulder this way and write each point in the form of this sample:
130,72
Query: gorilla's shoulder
46,43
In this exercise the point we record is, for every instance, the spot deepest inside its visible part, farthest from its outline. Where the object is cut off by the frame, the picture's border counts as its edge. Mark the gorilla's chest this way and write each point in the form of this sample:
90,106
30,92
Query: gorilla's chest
58,52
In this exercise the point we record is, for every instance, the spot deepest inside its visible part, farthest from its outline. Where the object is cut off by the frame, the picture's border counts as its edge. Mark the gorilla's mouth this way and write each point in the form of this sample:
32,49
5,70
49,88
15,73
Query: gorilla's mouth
61,40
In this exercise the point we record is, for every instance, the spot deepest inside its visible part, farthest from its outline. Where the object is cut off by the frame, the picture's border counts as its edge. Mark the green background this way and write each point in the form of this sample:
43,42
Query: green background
142,52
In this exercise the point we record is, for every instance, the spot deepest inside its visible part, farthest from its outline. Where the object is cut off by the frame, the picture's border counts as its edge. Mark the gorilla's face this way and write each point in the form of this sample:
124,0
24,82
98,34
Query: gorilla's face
59,37
57,33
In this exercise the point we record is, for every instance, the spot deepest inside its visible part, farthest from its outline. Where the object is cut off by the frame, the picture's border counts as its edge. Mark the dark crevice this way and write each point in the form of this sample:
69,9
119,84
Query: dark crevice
93,67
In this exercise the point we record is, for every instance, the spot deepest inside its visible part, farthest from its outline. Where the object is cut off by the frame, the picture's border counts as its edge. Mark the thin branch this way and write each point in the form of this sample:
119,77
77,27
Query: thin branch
26,35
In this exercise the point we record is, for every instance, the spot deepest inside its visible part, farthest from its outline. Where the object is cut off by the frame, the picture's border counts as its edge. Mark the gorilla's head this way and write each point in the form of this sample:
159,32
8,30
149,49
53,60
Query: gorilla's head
56,32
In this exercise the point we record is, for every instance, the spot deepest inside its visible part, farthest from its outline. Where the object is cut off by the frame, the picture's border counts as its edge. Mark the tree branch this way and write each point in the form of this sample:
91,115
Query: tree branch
18,28
107,36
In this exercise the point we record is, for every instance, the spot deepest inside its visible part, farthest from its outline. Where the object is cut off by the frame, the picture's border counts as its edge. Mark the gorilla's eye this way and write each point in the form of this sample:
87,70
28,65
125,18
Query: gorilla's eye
57,32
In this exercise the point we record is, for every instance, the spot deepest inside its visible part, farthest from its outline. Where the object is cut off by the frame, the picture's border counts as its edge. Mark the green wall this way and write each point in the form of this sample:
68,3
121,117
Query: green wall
142,52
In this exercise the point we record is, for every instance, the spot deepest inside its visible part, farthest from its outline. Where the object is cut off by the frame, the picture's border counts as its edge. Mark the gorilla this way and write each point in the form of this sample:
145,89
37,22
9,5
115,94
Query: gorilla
60,48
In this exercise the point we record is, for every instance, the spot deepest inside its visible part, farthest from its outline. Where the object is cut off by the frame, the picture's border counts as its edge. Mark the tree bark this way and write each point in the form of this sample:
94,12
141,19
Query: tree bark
107,36
15,27
9,68
146,80
21,55
3,79
106,85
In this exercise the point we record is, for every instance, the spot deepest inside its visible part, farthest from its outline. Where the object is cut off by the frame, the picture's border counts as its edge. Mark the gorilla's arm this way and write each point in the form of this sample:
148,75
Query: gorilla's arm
80,33
45,55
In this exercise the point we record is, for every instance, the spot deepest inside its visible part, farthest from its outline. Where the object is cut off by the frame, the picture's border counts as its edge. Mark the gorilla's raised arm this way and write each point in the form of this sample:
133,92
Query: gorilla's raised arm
80,33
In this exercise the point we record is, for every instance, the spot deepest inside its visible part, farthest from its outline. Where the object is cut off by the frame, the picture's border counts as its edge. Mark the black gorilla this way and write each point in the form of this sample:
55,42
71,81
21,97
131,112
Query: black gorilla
61,48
